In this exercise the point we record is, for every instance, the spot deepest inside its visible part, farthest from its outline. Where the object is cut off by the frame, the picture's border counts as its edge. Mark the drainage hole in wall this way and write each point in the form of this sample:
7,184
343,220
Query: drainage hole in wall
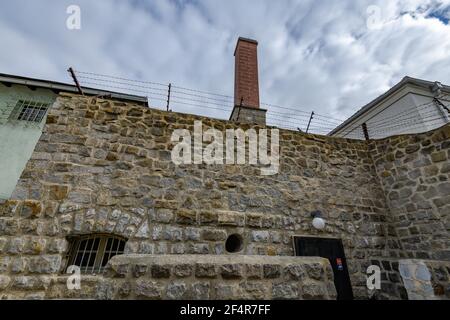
233,243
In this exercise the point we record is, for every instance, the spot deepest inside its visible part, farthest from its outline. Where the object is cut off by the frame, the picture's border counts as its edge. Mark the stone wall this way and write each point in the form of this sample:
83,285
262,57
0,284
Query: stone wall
392,287
104,166
414,171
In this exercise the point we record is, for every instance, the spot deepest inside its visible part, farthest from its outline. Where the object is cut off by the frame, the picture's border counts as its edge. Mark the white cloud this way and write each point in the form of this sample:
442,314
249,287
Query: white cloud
313,54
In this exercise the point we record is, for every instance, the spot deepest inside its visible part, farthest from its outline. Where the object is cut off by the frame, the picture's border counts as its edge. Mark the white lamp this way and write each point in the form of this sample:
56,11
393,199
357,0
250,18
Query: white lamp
318,222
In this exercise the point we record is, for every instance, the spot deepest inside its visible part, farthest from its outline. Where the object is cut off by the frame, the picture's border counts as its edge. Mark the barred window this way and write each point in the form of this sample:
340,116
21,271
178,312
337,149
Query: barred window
92,252
30,111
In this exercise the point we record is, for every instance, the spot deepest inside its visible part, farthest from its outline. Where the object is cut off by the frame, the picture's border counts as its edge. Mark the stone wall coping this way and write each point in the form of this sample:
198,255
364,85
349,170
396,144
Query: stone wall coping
213,259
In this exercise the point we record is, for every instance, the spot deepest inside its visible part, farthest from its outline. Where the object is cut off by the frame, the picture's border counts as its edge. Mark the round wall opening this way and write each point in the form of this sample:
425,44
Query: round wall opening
234,243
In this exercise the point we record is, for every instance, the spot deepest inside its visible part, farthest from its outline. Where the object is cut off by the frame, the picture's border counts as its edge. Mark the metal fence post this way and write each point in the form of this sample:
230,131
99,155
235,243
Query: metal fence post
366,132
310,119
168,96
74,77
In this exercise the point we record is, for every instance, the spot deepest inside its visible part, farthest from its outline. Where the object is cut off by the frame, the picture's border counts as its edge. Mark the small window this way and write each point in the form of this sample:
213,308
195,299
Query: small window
92,252
30,111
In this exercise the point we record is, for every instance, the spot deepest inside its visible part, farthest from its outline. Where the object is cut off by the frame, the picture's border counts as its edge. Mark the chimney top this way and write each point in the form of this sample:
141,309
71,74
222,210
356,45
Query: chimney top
245,40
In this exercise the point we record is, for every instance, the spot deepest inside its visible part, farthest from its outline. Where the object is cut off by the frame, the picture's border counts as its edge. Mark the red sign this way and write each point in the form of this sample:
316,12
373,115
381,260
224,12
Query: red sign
339,264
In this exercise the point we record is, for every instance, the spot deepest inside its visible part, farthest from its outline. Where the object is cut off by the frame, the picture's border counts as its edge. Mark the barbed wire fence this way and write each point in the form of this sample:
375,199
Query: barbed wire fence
170,97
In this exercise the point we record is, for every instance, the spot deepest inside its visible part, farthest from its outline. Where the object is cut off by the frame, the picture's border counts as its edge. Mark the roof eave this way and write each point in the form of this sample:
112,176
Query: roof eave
59,86
406,80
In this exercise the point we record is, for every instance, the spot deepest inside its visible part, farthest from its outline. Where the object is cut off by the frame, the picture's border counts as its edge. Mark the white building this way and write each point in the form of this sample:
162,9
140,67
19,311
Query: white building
411,106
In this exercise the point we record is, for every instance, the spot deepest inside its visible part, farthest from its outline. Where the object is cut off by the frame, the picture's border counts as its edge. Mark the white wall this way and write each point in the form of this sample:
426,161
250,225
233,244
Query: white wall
408,111
17,138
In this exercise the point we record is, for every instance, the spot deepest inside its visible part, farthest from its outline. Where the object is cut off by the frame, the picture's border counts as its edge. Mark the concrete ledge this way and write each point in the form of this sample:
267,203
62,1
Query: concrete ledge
214,259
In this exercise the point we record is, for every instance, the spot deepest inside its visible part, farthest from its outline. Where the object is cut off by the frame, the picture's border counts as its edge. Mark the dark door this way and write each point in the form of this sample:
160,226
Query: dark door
333,250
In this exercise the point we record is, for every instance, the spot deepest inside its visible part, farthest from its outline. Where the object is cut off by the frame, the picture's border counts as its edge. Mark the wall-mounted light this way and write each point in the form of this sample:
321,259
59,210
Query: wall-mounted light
318,222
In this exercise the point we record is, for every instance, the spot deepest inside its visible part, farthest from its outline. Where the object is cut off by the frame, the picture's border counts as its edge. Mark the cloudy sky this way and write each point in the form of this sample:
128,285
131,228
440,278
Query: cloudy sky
331,56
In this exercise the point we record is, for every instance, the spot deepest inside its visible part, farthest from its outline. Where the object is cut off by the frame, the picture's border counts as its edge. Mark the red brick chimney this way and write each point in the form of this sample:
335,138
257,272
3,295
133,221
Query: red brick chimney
246,83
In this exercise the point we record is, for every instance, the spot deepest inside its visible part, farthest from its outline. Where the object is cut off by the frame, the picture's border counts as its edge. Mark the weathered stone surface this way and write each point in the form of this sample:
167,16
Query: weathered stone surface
176,291
148,289
225,291
201,291
254,290
31,283
186,217
205,270
271,271
313,291
139,270
16,246
281,291
294,272
232,271
104,290
31,209
260,236
45,264
217,277
106,168
4,282
315,271
183,270
214,235
160,271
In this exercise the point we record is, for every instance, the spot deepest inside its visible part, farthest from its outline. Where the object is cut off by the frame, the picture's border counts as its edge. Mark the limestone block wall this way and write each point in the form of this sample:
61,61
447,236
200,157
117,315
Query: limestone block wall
204,277
104,166
414,171
392,287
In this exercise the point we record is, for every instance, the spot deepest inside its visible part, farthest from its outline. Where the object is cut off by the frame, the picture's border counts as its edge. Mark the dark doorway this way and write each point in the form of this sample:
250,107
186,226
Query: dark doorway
333,250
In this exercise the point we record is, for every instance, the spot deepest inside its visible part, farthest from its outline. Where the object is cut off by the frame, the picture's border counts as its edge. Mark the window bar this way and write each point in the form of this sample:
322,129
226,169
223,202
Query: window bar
95,253
111,249
105,254
86,240
19,110
33,114
118,247
42,112
79,253
23,110
98,256
28,111
89,254
72,260
36,112
37,107
44,109
114,247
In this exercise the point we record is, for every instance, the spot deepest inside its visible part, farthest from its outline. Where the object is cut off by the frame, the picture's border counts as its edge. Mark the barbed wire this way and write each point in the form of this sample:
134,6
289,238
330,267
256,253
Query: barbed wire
413,124
399,118
290,118
401,114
